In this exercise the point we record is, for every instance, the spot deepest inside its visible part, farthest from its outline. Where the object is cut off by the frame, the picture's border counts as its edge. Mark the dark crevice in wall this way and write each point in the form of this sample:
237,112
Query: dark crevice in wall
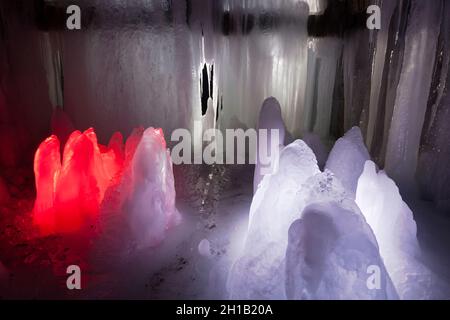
206,86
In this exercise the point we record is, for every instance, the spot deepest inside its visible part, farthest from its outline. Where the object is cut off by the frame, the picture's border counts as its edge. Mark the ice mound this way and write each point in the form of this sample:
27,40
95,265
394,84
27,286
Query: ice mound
272,255
270,118
393,223
259,272
208,120
62,126
151,204
347,159
330,251
69,193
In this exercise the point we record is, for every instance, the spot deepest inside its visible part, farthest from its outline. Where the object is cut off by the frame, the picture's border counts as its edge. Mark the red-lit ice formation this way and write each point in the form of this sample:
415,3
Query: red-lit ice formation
70,192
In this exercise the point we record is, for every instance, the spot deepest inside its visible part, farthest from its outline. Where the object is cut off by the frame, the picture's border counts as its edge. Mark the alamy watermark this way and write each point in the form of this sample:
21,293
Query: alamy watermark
235,146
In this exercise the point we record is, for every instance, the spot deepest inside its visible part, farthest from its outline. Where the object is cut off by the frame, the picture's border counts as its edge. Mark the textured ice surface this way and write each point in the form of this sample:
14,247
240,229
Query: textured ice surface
347,159
315,143
151,205
3,276
69,192
393,223
322,63
413,90
61,125
329,253
259,271
269,268
433,173
269,119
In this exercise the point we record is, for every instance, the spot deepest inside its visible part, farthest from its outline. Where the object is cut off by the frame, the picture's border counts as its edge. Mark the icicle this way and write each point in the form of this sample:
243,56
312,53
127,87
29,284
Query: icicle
413,91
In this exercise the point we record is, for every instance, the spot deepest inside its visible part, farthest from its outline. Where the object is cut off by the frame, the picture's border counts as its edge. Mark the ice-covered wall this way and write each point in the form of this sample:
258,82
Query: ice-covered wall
140,63
413,90
433,173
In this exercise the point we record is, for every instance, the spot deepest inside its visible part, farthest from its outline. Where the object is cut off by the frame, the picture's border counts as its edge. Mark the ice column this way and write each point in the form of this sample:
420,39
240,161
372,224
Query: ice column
347,159
392,222
413,90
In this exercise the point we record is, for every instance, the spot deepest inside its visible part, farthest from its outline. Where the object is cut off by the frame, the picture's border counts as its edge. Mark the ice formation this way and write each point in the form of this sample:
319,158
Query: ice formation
393,223
433,174
347,159
259,272
204,248
151,204
69,193
329,255
269,119
62,126
413,90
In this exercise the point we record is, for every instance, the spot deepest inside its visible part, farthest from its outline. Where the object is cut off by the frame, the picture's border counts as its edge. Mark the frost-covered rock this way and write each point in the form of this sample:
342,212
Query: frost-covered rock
151,204
393,223
347,159
270,118
330,254
259,271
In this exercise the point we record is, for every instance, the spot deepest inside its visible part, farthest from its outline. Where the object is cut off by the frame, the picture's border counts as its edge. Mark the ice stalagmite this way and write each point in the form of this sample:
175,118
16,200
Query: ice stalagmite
151,205
47,168
380,58
323,54
315,143
270,119
347,159
413,90
4,275
395,229
259,271
69,193
327,254
349,251
330,253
